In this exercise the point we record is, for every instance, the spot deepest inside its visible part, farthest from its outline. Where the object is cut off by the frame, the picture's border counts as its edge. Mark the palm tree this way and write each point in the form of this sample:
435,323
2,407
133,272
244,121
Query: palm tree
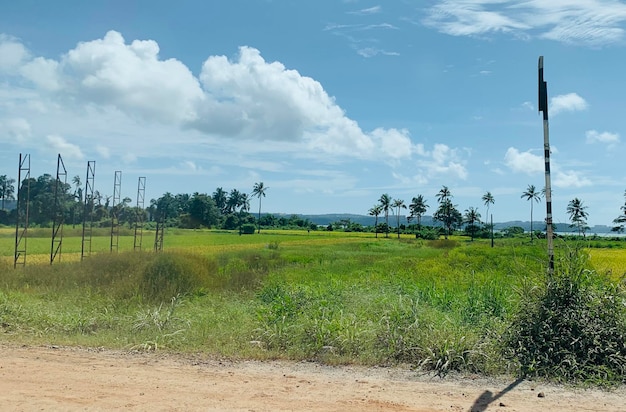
259,191
233,201
78,192
577,214
445,204
220,198
418,207
376,211
531,194
398,204
488,200
471,217
385,202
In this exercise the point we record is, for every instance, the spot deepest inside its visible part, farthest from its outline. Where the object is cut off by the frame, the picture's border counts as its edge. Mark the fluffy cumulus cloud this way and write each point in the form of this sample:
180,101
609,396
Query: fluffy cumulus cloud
236,100
523,162
58,144
570,102
12,54
589,22
532,164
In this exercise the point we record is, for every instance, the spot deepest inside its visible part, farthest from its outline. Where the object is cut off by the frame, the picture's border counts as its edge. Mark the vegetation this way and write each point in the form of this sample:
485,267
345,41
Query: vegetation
532,195
335,297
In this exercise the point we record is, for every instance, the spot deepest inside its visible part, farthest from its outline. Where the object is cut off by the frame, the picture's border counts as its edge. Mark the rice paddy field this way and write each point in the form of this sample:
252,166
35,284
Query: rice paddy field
332,297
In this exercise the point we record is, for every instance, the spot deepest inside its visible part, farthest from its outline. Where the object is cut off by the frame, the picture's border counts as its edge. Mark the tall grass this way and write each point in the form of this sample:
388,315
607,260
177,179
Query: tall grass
440,306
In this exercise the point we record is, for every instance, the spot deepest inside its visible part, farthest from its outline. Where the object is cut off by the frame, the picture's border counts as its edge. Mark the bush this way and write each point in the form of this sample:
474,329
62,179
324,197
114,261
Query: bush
172,274
248,229
573,327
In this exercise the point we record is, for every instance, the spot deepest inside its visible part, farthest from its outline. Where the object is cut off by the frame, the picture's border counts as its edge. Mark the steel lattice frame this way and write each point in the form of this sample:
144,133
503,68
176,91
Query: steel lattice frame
141,196
158,236
58,212
115,222
88,209
22,218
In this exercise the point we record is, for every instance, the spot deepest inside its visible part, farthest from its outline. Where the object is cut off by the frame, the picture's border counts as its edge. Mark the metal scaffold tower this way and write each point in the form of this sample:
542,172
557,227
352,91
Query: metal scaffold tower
23,202
58,215
158,236
88,210
141,196
115,222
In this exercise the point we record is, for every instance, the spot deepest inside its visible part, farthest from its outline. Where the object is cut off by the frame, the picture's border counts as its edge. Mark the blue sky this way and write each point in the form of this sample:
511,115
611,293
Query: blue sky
329,103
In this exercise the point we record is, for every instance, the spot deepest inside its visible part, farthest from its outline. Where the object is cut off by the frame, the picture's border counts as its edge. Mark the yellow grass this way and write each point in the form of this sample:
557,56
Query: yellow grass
611,261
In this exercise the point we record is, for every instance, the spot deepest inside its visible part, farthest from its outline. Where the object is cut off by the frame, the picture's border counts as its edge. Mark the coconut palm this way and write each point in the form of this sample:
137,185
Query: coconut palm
445,208
259,191
418,207
385,202
531,194
577,215
398,204
376,211
471,217
488,200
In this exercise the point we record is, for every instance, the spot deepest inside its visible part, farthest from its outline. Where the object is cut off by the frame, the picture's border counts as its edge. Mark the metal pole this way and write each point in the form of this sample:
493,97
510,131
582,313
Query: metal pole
543,107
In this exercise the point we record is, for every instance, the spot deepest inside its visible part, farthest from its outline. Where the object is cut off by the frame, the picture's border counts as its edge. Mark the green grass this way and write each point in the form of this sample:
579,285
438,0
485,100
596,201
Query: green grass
327,296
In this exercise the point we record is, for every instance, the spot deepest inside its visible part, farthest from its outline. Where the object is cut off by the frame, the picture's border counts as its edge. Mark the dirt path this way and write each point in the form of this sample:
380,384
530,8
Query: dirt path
70,379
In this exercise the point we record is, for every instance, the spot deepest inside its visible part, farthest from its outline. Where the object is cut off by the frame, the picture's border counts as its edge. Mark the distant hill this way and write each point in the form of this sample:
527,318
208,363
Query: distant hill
365,220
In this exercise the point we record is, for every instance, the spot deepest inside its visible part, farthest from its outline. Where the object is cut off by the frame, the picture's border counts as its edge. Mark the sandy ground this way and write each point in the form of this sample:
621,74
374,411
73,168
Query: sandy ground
71,379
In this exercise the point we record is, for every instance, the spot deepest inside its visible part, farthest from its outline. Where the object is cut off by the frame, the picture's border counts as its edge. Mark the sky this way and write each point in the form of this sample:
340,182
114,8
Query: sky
329,103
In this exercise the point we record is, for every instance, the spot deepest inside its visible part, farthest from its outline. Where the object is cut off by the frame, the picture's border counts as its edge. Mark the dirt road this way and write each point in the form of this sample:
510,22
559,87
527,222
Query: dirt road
70,379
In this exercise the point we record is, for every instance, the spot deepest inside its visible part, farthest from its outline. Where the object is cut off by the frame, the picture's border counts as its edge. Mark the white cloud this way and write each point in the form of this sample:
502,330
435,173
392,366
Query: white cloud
68,150
523,162
444,161
43,73
588,22
570,102
569,179
15,129
594,136
132,78
12,53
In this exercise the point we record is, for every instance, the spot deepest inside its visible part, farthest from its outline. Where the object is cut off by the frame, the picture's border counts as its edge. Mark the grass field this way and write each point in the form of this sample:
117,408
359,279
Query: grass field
328,296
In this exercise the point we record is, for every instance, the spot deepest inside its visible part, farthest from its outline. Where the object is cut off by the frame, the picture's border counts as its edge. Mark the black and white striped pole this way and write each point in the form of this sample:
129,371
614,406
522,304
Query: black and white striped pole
543,107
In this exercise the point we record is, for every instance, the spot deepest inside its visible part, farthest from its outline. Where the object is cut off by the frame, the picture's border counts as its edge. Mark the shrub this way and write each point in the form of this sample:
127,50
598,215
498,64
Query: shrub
248,229
173,274
572,327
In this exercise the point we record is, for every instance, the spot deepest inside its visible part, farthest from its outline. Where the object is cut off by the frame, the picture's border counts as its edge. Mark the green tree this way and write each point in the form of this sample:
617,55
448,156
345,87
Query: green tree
577,215
532,195
471,218
418,207
385,202
488,200
202,211
7,189
220,197
445,213
259,191
398,204
376,211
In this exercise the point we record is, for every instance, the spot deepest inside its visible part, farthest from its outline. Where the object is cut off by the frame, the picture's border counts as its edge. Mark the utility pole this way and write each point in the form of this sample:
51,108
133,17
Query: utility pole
543,107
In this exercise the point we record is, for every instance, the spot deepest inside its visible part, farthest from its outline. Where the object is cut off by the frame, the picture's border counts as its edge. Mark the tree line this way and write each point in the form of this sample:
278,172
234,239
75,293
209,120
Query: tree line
230,210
